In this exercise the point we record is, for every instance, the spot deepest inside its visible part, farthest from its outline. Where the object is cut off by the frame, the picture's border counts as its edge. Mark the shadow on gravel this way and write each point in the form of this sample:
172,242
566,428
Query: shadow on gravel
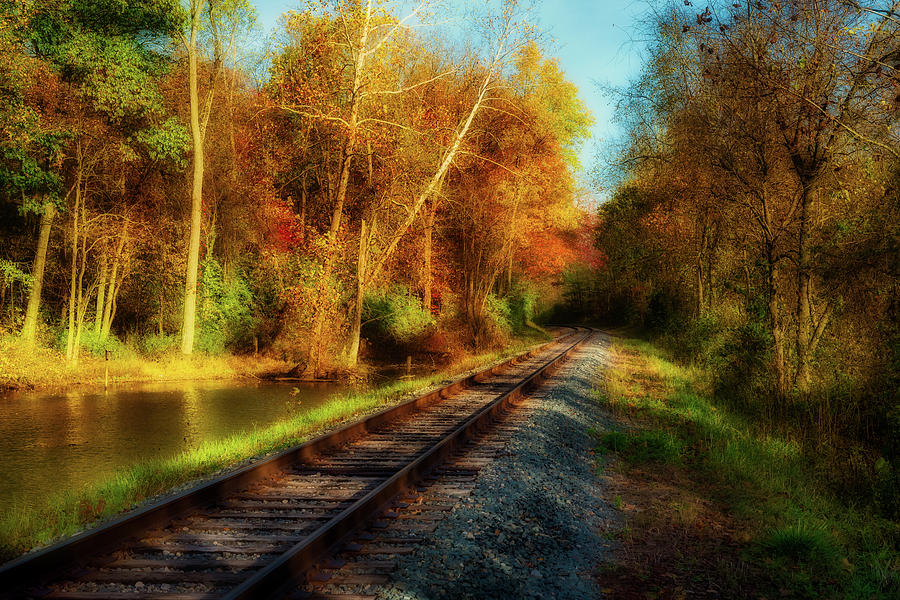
534,526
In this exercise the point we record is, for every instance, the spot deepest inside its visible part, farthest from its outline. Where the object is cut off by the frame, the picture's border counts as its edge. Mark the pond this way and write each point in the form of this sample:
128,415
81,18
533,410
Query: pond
64,440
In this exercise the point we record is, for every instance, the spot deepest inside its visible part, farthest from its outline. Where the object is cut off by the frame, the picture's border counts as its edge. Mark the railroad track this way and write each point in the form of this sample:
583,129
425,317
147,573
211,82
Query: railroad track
365,568
257,531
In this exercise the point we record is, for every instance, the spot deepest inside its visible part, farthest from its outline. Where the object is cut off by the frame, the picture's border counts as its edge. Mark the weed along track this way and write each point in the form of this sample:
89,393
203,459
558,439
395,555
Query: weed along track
261,530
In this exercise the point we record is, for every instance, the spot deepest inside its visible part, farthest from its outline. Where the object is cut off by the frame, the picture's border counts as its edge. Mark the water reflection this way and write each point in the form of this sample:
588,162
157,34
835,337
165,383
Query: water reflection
64,440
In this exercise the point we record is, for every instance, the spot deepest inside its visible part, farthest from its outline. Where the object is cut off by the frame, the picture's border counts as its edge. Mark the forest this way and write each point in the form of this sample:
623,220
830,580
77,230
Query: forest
375,181
753,228
366,181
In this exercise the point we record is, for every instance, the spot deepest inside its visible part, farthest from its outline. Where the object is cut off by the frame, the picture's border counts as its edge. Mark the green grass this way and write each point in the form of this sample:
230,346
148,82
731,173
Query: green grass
802,544
23,529
643,446
815,543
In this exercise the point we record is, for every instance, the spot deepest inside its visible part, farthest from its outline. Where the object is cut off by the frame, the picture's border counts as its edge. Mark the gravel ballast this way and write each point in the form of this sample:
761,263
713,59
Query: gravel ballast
534,525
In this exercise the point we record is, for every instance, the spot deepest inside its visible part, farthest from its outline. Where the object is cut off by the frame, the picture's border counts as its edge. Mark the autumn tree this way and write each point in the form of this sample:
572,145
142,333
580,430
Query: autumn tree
758,161
29,147
99,59
366,144
362,110
517,175
223,19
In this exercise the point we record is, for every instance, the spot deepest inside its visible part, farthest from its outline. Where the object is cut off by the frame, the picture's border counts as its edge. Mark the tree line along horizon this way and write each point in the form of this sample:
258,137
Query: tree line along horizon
153,193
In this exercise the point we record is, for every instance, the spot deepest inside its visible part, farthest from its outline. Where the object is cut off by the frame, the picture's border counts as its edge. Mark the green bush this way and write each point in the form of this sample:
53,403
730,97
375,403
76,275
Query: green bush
90,341
225,310
156,344
801,543
522,302
394,315
10,273
664,309
498,314
886,484
742,367
694,340
890,401
10,276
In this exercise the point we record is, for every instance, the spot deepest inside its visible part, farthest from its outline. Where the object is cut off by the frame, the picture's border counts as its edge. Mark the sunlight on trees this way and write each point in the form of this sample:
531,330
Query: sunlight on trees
154,194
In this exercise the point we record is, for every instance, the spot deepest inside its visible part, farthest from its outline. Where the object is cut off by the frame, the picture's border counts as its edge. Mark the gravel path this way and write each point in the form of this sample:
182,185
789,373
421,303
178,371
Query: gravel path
533,527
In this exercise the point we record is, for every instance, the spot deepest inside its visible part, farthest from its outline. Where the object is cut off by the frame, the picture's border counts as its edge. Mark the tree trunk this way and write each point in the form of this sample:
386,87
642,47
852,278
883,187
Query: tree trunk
112,297
112,289
820,327
71,342
747,287
435,183
699,287
512,240
29,329
701,253
427,279
193,260
303,196
159,320
114,303
775,323
82,300
101,295
162,298
804,315
356,327
347,151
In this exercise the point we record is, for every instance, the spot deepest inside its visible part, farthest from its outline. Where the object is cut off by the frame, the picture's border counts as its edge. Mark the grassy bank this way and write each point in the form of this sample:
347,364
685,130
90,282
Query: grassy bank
47,368
711,503
68,513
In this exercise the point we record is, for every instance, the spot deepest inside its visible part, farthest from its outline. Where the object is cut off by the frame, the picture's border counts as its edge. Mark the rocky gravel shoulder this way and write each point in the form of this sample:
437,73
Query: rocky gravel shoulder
534,525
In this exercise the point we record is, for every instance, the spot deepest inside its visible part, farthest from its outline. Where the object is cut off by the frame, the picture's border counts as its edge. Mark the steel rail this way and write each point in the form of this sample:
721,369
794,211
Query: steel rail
303,556
65,554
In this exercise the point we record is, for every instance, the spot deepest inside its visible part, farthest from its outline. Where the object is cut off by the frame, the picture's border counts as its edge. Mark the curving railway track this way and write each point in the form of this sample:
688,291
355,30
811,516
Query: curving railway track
259,531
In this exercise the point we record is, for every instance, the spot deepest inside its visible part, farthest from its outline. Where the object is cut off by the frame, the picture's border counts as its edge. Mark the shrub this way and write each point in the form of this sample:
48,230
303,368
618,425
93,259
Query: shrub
225,310
694,340
10,274
522,302
156,344
663,309
890,401
10,277
886,484
498,314
742,369
90,341
394,315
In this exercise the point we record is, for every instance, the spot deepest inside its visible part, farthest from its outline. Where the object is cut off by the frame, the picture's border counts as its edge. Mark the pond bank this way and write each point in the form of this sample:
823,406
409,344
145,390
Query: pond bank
64,440
47,370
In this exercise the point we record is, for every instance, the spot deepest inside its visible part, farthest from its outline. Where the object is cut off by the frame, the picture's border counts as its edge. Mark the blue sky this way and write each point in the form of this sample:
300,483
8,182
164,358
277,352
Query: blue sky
591,39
